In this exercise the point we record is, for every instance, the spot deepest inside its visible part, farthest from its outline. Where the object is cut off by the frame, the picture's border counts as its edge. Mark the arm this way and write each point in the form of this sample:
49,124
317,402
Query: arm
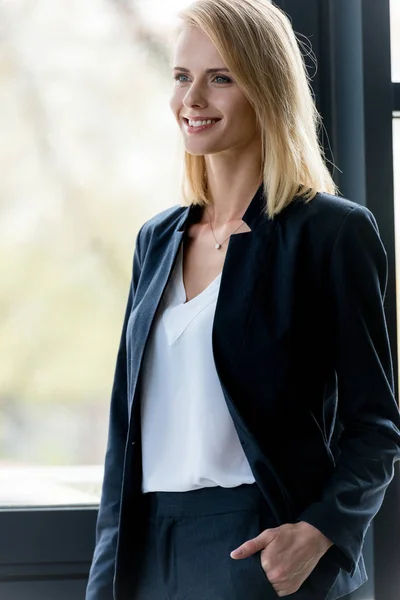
100,584
367,409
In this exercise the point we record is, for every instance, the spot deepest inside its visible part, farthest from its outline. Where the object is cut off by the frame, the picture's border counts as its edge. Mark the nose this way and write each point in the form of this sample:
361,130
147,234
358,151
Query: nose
194,97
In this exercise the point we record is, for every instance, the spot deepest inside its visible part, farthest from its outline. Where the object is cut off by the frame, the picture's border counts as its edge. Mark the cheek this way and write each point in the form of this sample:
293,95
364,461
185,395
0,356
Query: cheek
175,104
238,110
248,112
248,119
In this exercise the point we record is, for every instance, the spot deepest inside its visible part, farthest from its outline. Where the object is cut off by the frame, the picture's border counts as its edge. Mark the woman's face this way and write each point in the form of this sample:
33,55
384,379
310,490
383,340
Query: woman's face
204,89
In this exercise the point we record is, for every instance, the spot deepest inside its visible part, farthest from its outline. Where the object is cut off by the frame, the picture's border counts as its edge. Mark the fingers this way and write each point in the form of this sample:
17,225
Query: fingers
255,544
248,548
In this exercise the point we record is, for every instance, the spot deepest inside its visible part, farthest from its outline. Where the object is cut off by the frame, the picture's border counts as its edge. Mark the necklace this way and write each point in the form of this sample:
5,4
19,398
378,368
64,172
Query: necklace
219,245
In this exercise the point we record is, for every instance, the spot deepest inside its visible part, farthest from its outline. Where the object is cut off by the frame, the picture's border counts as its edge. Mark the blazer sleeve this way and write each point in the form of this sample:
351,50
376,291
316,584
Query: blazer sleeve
101,575
367,409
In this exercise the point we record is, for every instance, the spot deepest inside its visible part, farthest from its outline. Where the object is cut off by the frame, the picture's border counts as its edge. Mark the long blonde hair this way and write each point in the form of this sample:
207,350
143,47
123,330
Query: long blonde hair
256,41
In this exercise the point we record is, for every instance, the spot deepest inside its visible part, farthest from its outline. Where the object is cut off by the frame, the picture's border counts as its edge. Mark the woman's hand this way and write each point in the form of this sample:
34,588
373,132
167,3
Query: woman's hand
289,554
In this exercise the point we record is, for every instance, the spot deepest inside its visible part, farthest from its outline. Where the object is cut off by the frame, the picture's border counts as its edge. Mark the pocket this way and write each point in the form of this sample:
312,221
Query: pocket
264,577
262,524
321,580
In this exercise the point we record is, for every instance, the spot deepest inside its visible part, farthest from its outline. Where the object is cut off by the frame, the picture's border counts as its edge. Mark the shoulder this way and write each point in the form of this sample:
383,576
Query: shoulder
329,230
167,217
326,216
162,224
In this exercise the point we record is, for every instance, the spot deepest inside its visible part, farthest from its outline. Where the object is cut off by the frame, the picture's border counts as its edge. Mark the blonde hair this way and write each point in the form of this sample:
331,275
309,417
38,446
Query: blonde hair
256,41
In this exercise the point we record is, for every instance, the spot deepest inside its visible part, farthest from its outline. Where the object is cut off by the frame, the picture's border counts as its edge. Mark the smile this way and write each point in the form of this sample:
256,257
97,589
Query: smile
197,126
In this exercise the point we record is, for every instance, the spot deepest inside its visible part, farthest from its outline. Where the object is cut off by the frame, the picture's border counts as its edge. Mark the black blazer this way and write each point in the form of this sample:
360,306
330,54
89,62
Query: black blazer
301,349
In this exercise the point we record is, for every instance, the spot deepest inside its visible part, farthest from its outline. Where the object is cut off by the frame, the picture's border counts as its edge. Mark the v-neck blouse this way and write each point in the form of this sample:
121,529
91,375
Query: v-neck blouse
189,440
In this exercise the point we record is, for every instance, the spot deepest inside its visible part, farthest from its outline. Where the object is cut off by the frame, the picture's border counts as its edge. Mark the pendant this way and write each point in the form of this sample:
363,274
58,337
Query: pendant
218,246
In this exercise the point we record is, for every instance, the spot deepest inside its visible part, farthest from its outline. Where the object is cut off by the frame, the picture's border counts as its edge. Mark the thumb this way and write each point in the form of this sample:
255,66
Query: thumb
254,545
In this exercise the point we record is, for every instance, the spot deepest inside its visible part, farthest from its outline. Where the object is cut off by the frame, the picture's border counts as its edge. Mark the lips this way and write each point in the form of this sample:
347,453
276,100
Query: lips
187,119
193,129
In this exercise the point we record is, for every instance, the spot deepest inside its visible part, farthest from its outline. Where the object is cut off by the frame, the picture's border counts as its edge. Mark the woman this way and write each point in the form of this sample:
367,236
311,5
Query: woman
253,402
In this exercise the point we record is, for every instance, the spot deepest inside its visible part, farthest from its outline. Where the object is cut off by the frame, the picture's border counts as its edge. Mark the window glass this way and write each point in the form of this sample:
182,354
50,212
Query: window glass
89,150
395,38
396,165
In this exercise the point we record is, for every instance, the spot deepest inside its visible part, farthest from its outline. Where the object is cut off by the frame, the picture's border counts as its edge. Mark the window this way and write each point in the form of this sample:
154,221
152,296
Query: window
86,133
395,59
395,38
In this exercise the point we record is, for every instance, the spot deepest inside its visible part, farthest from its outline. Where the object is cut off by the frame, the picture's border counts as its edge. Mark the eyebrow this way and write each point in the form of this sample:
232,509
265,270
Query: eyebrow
207,70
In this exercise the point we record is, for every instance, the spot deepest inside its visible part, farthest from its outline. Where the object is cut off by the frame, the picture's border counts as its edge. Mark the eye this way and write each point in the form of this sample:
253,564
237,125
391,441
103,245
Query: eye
178,76
220,78
226,79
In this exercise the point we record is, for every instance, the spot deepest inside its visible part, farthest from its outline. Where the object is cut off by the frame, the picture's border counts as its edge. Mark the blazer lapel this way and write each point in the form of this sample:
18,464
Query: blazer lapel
239,261
144,310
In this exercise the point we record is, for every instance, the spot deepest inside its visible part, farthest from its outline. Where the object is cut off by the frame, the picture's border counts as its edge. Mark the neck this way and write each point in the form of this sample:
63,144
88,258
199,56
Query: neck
232,185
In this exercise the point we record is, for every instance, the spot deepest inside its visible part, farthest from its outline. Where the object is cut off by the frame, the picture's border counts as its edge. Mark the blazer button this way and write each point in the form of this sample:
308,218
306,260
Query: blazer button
133,443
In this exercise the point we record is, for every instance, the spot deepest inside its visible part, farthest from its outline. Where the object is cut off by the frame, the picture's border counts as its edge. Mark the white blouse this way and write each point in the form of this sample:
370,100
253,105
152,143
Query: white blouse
189,440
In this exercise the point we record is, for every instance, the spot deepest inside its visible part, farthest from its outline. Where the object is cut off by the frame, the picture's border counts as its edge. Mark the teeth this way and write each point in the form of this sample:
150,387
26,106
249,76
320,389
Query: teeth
200,123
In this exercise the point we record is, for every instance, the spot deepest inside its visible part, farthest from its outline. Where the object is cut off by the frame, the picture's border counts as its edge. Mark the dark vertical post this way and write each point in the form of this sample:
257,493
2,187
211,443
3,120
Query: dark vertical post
355,96
378,106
